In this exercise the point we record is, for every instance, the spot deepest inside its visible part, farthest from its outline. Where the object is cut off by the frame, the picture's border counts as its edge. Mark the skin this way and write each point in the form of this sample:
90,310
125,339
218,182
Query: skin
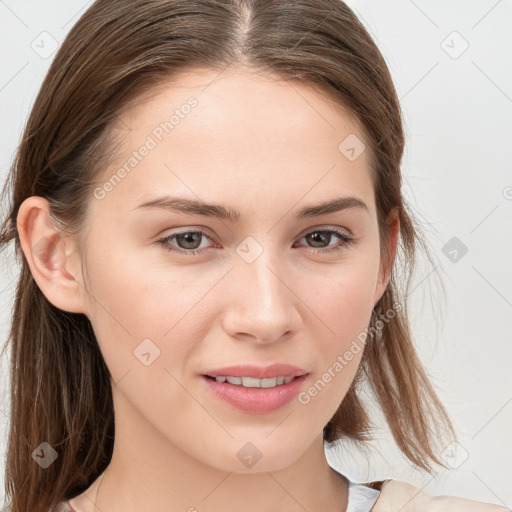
266,148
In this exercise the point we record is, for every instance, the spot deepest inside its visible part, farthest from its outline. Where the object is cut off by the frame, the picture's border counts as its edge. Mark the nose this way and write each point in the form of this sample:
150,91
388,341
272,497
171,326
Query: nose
260,302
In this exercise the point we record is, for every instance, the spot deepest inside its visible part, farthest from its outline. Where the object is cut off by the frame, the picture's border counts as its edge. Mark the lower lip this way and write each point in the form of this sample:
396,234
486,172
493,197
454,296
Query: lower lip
256,400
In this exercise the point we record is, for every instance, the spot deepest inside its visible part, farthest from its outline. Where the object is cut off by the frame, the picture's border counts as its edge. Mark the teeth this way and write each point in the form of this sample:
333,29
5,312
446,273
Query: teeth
251,382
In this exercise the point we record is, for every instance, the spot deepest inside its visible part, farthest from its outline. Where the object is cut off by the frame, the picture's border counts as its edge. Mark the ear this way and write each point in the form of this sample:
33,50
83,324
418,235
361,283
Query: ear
393,221
52,258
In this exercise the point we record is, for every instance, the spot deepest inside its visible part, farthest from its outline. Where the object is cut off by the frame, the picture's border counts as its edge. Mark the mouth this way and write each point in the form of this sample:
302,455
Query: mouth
252,371
253,398
252,382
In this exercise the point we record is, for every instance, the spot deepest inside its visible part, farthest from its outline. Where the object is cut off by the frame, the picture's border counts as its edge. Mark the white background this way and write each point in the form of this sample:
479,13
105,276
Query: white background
457,109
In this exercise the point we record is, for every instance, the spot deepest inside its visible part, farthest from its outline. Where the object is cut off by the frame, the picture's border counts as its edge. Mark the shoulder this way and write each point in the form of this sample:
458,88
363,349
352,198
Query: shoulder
400,495
63,506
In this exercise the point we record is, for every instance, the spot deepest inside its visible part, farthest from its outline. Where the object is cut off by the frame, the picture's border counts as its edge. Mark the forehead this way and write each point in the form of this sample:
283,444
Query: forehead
236,97
209,132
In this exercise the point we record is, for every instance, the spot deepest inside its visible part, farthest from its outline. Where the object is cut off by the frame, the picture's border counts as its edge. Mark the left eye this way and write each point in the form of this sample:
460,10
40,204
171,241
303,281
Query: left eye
191,238
322,234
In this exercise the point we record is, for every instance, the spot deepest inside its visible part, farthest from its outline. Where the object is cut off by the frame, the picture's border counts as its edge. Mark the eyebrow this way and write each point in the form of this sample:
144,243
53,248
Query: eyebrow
196,207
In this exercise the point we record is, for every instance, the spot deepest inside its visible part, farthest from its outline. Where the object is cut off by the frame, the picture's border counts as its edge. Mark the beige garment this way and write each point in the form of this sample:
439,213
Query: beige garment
400,496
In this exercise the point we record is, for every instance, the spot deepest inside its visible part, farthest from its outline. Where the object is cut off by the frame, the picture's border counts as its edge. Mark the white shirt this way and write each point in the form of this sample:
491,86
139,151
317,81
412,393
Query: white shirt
360,497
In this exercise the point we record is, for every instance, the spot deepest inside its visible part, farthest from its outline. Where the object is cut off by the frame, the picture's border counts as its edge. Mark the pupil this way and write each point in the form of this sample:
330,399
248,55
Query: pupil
318,234
187,237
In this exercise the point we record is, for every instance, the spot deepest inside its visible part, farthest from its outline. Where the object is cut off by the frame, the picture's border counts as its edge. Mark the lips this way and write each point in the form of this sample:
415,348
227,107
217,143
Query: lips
254,400
258,372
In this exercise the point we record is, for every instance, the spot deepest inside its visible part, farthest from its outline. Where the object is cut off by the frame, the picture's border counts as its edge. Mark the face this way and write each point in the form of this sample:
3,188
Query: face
174,295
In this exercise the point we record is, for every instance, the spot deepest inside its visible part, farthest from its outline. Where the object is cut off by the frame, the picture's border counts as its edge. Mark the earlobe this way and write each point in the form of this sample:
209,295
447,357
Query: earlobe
49,256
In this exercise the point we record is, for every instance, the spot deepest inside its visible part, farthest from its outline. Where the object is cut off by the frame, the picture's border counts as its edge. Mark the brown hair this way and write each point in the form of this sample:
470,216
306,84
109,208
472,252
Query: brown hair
60,386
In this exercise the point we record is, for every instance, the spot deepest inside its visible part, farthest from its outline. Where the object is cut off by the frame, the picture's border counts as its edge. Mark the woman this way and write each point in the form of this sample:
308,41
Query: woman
207,204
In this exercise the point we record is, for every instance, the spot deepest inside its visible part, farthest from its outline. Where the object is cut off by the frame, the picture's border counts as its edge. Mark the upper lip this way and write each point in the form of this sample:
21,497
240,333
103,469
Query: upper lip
258,372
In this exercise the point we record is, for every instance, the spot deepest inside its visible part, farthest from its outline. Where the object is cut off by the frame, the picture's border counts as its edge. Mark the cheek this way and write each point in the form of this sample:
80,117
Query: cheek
345,310
139,311
342,304
343,298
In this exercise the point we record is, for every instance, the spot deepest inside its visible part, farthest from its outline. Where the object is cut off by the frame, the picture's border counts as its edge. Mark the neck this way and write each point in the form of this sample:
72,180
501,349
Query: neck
147,472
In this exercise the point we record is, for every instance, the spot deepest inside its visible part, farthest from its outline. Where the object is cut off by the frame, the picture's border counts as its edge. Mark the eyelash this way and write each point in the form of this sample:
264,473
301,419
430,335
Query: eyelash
347,240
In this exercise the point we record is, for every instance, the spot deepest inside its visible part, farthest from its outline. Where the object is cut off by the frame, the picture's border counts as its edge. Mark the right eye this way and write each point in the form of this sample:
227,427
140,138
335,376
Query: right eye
185,238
